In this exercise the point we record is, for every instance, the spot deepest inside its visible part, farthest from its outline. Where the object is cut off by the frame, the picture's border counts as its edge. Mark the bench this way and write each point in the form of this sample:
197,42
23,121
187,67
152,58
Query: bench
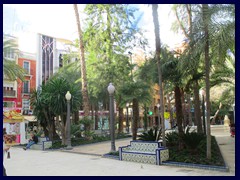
150,152
43,144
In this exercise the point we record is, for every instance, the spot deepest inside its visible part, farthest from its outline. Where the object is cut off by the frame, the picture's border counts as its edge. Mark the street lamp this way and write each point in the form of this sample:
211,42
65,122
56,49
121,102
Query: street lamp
68,133
158,106
111,90
127,105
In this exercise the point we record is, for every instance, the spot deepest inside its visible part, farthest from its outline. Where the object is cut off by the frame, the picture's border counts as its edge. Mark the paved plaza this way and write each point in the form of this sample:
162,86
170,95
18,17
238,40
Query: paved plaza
87,160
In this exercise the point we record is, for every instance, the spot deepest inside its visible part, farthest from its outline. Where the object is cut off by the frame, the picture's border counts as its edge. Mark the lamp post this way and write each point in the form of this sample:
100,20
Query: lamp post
111,90
127,105
68,133
158,106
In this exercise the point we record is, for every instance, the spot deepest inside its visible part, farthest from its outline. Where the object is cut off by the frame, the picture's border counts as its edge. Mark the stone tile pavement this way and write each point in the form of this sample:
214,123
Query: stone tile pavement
86,160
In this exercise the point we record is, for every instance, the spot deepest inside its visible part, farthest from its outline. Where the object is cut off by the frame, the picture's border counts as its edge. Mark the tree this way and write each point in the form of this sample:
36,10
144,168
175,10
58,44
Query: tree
137,92
207,72
158,52
11,70
189,60
110,27
83,66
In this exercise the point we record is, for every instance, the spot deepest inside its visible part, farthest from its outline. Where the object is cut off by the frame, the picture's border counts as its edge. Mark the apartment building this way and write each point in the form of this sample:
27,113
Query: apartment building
28,62
10,87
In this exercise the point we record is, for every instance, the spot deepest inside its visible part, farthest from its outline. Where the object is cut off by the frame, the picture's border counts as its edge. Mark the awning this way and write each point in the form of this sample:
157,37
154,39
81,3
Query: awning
30,118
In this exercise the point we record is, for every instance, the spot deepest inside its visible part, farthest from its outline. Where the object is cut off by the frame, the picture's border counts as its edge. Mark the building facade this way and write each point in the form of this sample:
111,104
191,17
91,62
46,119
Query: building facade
28,62
9,87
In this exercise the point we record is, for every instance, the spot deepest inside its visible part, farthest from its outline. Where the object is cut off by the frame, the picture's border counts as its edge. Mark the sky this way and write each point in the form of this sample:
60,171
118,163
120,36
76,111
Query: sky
58,20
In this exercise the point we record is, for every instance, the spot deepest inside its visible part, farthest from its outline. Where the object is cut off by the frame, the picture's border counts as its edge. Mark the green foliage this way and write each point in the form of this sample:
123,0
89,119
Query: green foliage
172,139
87,122
151,135
199,157
76,130
115,153
11,70
192,140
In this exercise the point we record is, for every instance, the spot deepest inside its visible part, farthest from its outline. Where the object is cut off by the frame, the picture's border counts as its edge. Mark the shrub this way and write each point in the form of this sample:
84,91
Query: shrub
76,130
151,135
87,122
192,140
172,139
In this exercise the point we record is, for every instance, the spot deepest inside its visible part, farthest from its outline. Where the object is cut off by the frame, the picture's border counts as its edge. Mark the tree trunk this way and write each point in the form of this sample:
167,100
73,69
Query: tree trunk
145,119
75,116
184,109
158,53
96,117
206,17
179,115
120,120
189,109
83,66
135,119
178,105
216,113
197,111
170,110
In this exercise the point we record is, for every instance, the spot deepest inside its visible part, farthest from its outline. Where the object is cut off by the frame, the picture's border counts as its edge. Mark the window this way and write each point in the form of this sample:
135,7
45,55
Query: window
26,87
25,104
10,104
26,66
9,54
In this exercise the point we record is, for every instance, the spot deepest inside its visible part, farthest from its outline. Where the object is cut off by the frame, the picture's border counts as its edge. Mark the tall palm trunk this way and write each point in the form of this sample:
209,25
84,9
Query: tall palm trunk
183,109
197,111
135,118
170,110
205,12
189,109
83,66
120,120
179,115
158,52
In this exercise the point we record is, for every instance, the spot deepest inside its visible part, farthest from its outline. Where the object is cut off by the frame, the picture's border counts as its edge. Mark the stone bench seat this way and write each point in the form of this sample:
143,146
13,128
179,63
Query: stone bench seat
150,152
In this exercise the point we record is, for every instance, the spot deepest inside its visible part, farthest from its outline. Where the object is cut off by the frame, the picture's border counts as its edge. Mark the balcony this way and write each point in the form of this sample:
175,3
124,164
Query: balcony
9,93
27,92
29,73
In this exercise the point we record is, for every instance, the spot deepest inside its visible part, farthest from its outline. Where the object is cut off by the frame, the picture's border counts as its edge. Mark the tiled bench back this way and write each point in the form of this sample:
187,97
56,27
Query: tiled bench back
145,147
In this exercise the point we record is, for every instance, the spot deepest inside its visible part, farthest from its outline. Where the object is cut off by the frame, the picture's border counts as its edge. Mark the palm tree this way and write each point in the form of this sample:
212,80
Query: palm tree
136,92
158,52
11,70
86,107
205,15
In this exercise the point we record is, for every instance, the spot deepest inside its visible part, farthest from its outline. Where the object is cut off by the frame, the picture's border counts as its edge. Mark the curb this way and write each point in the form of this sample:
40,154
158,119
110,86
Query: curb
198,166
110,156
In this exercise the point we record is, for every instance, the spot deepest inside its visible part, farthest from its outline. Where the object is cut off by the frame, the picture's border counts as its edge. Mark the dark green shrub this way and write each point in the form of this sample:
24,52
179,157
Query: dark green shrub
76,130
87,122
114,153
172,139
151,135
192,140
